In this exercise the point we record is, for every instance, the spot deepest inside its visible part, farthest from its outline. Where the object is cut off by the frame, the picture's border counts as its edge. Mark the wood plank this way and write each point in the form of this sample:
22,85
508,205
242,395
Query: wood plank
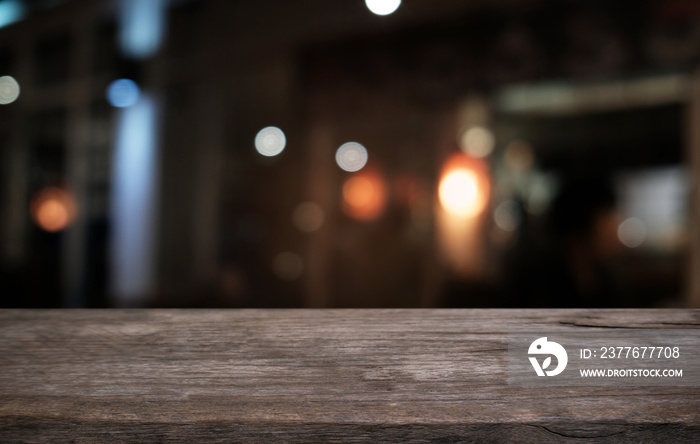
314,375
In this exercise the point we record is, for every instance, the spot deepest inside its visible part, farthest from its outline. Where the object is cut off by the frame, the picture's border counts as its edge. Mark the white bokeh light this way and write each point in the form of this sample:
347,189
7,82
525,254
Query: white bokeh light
632,232
459,193
383,7
477,141
270,141
9,90
351,157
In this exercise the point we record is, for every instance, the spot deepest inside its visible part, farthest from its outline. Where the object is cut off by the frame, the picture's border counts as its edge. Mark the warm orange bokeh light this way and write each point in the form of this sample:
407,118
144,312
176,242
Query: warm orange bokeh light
364,196
53,209
464,186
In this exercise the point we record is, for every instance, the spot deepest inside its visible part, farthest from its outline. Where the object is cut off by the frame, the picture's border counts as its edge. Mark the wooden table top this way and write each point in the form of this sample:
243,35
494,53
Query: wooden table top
315,375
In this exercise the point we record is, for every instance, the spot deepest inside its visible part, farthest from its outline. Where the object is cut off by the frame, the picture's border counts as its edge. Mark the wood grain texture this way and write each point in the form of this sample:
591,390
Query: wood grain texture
314,376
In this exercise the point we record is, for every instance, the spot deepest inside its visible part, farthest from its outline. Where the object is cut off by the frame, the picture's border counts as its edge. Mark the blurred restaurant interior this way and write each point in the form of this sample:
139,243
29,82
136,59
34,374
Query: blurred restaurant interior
349,153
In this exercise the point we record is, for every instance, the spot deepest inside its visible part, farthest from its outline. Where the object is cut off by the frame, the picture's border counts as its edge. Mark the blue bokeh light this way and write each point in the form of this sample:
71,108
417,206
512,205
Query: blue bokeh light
134,201
123,93
142,27
10,11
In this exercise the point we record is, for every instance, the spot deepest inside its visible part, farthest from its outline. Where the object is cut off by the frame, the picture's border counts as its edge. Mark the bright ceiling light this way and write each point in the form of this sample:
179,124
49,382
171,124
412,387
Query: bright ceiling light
383,7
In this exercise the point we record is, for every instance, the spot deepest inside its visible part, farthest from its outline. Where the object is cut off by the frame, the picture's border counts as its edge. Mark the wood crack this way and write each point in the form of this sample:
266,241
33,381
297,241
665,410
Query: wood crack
554,432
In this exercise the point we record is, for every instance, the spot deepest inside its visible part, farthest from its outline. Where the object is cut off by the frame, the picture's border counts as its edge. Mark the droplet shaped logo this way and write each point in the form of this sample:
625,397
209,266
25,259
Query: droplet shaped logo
542,346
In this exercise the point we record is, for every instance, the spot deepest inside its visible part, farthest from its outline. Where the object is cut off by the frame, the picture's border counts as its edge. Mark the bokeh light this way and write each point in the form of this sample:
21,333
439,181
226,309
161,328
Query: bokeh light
540,194
134,200
142,27
9,90
123,93
458,192
364,196
270,141
11,11
477,141
288,266
464,186
632,232
508,215
53,209
351,157
308,217
383,7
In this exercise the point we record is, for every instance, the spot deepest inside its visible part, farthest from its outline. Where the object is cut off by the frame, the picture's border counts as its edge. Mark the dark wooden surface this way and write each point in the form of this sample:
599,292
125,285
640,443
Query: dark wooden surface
314,375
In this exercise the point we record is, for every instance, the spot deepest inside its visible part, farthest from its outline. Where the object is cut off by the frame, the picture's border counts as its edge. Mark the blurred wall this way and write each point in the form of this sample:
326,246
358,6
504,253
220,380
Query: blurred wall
587,85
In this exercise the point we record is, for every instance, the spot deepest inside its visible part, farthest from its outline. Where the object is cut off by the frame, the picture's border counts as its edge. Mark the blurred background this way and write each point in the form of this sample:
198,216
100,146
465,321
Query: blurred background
349,153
